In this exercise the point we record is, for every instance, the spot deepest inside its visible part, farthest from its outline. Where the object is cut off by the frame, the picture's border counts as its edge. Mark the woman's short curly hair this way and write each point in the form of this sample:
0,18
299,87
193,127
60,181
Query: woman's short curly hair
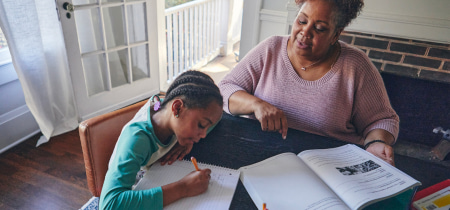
346,10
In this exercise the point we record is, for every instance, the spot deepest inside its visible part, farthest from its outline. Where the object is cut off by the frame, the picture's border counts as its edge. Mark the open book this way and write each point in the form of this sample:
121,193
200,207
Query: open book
345,177
220,191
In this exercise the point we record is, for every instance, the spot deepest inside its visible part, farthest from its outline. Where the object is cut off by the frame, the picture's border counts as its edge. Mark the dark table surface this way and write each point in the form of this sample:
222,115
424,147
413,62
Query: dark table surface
237,142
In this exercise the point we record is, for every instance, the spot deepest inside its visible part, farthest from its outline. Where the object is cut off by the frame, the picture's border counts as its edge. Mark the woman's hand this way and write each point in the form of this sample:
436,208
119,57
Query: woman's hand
176,153
382,151
271,118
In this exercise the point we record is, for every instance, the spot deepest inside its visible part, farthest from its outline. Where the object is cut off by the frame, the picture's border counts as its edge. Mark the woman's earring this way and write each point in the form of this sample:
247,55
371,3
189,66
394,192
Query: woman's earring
176,116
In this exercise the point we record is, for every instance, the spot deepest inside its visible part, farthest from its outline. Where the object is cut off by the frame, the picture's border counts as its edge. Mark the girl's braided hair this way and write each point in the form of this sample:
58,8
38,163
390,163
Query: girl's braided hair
196,89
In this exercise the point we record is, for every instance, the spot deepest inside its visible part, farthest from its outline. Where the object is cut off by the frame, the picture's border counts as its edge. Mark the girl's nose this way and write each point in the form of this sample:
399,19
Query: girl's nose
202,133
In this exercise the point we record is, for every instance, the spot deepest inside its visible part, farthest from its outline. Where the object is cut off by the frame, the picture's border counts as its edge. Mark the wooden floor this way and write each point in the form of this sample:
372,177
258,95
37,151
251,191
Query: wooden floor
51,176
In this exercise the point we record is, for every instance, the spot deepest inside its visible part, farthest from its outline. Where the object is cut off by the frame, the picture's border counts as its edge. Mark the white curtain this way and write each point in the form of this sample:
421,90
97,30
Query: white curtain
36,43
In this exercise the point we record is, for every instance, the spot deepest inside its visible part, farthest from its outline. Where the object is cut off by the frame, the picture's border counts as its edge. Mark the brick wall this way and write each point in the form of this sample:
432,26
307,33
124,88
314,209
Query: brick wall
404,57
417,79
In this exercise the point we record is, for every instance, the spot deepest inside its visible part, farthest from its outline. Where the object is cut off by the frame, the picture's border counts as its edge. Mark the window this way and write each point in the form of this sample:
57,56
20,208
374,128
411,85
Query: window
5,57
3,43
172,3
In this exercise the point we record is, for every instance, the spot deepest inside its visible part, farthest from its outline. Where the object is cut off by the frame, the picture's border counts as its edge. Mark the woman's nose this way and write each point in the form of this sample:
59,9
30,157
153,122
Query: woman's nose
306,31
305,36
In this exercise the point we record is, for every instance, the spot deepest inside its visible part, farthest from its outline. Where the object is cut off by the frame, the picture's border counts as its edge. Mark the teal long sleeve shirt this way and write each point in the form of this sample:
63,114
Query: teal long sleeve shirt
135,147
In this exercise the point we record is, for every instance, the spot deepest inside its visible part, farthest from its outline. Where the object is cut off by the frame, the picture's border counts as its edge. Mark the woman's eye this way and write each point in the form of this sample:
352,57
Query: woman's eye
201,126
302,22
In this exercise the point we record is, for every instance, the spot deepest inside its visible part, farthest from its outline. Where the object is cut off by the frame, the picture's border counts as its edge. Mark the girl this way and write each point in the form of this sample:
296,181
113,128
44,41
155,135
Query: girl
191,108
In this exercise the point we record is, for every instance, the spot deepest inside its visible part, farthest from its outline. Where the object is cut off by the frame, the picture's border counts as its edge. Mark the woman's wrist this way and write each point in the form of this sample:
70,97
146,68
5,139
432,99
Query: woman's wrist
242,103
368,143
380,134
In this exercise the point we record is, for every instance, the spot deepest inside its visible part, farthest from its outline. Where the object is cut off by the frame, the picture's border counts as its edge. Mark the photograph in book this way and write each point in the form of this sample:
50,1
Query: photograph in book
345,177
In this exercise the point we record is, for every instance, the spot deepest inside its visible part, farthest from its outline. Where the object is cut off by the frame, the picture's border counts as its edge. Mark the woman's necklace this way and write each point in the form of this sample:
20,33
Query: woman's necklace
304,67
334,60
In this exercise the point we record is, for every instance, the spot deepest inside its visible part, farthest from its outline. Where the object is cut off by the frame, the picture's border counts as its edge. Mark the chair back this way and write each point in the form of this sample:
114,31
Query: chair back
98,136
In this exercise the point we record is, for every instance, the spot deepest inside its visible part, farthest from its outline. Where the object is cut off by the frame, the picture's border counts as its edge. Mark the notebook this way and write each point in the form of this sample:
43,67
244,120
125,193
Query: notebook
220,190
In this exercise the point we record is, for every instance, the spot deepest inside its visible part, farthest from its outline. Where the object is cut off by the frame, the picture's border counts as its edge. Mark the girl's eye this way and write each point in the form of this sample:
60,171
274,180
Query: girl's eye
201,126
320,29
302,22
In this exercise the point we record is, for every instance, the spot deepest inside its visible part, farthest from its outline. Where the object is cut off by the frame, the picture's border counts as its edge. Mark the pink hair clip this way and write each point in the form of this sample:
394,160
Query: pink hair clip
157,103
157,106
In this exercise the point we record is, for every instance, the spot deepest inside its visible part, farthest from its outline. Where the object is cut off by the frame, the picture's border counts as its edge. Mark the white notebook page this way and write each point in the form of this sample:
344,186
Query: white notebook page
220,190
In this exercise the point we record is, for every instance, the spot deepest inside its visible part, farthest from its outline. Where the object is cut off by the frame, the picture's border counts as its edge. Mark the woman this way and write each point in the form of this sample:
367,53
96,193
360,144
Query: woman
313,82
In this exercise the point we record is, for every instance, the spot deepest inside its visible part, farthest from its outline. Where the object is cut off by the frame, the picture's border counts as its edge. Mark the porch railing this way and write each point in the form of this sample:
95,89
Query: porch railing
192,35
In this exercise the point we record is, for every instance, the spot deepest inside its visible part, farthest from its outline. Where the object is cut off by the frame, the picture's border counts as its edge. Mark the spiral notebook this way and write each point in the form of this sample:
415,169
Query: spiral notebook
220,190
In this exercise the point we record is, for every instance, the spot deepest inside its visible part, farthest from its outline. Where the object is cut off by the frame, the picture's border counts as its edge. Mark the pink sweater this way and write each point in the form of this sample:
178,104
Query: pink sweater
346,103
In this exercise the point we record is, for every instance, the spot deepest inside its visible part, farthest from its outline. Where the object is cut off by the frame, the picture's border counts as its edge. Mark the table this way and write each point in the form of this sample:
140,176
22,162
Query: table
238,141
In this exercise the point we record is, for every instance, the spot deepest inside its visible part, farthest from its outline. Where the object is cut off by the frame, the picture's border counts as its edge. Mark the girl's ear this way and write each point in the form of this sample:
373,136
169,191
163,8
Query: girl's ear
177,104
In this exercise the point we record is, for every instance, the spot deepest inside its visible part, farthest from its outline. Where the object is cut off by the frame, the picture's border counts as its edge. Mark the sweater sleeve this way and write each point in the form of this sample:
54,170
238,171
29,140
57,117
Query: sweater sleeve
134,149
247,73
372,108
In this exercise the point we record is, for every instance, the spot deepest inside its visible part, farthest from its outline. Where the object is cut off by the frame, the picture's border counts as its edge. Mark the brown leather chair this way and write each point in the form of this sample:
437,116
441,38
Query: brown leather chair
98,137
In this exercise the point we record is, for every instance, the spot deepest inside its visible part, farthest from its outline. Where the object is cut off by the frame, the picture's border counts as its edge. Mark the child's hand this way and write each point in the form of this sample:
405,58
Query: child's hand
196,182
176,153
193,184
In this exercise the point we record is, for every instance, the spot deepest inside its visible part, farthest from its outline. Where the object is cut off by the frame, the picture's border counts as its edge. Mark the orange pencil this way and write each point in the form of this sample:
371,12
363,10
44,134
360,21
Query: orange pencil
264,206
194,161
